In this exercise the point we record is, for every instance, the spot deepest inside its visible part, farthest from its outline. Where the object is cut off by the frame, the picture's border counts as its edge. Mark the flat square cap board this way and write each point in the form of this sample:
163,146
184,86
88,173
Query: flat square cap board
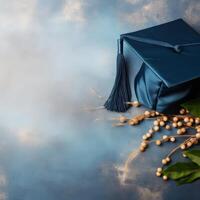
171,51
172,67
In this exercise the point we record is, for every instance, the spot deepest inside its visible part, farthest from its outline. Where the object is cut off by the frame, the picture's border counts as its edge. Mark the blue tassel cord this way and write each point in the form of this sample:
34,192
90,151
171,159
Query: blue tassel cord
121,92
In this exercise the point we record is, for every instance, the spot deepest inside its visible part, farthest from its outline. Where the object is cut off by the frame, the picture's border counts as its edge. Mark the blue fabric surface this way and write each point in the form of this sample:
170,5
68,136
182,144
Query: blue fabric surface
166,78
171,67
154,94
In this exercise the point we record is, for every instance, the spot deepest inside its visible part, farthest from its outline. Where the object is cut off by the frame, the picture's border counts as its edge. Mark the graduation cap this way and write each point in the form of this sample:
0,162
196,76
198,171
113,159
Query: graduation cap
159,66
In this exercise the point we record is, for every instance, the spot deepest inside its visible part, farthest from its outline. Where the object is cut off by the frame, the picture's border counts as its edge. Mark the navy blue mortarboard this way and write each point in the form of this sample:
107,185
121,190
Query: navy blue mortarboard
160,66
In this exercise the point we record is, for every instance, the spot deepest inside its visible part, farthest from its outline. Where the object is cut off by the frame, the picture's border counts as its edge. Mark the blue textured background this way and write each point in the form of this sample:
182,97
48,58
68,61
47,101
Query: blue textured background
52,53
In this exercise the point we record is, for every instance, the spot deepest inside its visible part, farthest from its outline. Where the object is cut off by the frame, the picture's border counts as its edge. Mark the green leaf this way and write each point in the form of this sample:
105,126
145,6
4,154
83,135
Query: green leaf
193,155
193,106
180,170
186,172
188,179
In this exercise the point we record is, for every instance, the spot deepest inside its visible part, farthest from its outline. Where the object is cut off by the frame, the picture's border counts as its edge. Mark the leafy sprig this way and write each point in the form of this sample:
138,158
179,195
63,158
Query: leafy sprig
185,172
187,126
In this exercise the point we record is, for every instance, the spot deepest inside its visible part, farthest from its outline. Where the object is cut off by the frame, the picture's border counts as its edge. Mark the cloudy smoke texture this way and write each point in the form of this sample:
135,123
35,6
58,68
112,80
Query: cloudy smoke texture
53,52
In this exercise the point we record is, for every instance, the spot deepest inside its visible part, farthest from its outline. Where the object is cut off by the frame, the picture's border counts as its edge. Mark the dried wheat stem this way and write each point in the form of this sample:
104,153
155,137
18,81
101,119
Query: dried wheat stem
175,149
163,140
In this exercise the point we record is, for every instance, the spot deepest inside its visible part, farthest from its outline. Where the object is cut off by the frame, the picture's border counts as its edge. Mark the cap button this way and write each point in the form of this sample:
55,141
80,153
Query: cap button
177,49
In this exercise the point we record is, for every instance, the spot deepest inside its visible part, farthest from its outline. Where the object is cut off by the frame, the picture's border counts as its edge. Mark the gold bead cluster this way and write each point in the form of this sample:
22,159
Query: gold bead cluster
183,123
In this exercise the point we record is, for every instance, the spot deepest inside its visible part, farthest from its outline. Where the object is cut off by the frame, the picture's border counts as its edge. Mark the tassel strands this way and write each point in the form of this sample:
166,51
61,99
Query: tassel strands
121,92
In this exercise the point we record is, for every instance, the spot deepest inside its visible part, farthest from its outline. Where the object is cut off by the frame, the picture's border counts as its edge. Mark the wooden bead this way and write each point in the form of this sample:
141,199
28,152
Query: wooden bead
179,132
158,142
149,135
147,113
198,130
174,124
156,128
183,130
179,124
142,149
144,137
172,139
165,137
164,161
198,135
189,144
165,118
191,120
182,111
144,144
175,119
156,123
150,130
136,104
162,123
189,123
158,174
165,178
159,169
197,120
182,146
168,127
186,119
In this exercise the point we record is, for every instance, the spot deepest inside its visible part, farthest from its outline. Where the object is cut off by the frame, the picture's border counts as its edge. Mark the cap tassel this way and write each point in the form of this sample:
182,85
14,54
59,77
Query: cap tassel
121,92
